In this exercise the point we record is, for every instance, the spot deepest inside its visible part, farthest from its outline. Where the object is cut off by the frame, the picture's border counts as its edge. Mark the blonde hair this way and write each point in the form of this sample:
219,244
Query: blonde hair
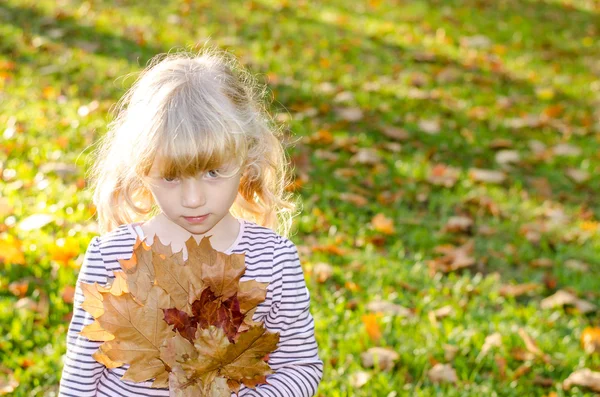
194,112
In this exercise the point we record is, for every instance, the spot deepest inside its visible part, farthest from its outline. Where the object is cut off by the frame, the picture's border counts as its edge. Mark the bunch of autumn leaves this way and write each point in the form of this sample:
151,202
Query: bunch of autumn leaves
186,324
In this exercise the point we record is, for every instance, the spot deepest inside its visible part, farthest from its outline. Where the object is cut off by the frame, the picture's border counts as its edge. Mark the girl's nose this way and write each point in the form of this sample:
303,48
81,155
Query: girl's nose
192,195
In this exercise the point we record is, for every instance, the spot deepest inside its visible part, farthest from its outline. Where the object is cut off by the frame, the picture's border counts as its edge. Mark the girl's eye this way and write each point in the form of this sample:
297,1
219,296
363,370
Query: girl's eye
170,179
213,173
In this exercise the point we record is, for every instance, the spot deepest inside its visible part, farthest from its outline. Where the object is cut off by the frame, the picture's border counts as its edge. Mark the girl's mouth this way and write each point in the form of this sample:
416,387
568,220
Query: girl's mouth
196,219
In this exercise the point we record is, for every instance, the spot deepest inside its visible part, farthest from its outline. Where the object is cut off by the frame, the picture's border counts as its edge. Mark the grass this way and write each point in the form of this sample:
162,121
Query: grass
479,71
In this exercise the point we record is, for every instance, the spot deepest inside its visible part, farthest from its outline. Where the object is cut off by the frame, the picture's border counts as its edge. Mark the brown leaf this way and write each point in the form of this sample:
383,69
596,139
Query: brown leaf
322,271
562,297
250,294
210,309
487,176
385,358
531,346
458,224
8,383
442,373
522,370
68,294
385,307
139,332
443,175
223,274
518,289
454,258
583,377
399,134
94,331
353,198
139,270
175,279
19,288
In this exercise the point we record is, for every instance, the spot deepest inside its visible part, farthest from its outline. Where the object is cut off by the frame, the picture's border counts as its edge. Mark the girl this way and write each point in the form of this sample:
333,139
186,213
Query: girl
192,153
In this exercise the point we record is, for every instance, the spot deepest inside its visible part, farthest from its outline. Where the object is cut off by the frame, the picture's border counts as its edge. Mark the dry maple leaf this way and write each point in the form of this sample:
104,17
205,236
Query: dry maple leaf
202,299
211,355
139,331
453,258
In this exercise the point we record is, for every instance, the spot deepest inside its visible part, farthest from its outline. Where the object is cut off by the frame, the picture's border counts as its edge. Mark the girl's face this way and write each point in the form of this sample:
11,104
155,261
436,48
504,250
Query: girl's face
197,204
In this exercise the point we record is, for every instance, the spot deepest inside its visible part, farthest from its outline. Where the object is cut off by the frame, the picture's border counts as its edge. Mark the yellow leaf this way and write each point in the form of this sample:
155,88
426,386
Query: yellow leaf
250,294
64,250
139,332
371,322
92,302
102,358
383,224
95,332
590,340
10,251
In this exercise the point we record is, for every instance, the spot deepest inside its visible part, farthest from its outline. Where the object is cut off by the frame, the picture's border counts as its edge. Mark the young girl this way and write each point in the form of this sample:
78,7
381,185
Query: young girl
192,153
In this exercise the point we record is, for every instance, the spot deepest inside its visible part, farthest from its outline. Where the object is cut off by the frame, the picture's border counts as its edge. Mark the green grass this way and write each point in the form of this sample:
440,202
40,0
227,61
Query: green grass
479,67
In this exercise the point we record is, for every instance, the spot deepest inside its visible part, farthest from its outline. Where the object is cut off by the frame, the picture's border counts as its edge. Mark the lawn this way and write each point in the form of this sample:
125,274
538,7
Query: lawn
446,155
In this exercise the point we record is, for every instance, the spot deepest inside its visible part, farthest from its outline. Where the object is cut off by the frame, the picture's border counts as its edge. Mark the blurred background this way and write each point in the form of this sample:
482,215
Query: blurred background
446,156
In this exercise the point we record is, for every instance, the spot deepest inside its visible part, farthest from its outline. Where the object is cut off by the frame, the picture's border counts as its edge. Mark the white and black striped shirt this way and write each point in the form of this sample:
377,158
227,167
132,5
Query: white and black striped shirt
269,258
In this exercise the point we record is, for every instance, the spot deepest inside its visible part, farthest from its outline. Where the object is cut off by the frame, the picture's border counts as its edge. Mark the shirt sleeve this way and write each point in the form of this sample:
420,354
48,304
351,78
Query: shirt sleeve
298,369
81,372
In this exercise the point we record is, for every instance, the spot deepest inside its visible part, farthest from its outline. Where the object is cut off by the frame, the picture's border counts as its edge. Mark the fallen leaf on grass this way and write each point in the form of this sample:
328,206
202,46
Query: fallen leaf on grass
454,258
68,294
19,288
507,157
8,383
442,373
11,251
371,322
431,127
353,198
577,265
522,370
531,346
399,134
458,224
590,340
450,352
578,176
562,298
518,289
564,149
443,311
500,143
542,263
584,377
383,224
443,175
382,357
541,381
367,156
487,176
384,307
322,271
351,114
359,379
493,340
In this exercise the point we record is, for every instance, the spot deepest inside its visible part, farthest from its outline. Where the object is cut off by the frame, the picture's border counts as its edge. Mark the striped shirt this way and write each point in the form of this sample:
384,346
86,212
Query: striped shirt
269,258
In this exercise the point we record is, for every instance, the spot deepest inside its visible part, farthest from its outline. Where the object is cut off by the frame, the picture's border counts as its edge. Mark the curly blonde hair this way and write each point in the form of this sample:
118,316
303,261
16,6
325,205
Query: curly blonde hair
194,111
